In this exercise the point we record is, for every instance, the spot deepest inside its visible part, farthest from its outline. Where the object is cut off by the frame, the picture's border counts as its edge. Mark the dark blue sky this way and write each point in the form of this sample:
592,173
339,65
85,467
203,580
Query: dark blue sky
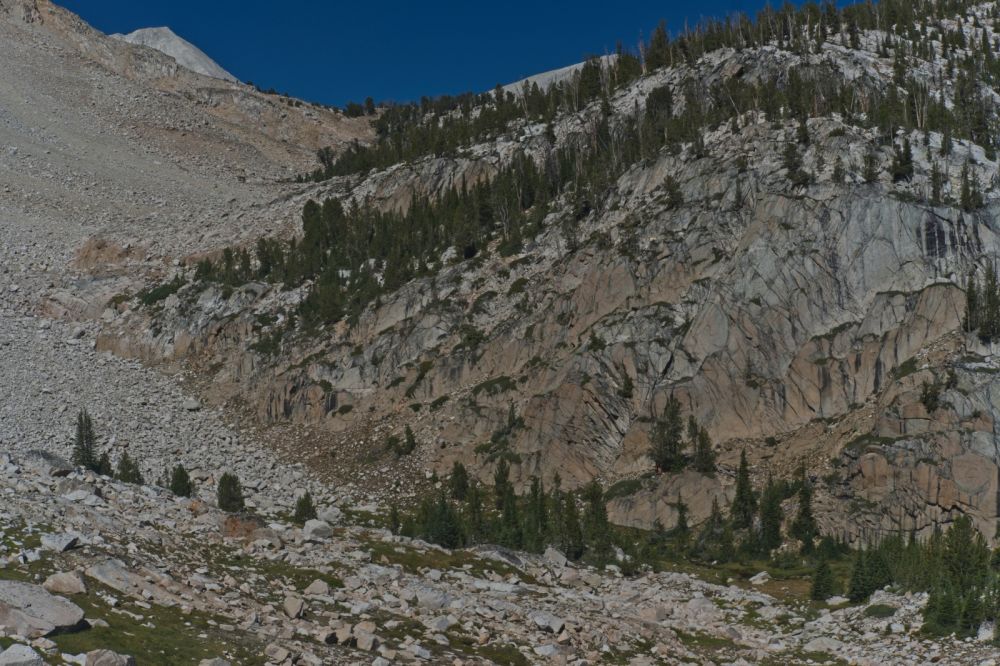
334,52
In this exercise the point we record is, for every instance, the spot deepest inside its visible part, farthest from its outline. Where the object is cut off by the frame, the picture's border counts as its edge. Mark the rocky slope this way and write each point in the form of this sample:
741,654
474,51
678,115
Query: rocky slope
784,317
109,569
800,322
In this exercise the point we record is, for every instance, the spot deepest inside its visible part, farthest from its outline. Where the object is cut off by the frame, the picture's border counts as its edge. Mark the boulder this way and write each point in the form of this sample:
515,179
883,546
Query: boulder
824,644
108,658
69,582
317,588
293,607
59,543
30,611
555,558
315,530
214,662
20,655
547,622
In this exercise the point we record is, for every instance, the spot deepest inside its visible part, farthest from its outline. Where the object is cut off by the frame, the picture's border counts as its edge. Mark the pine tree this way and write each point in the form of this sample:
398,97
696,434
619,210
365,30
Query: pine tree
442,525
704,456
85,446
595,520
128,471
902,162
667,447
971,196
745,501
459,482
475,521
860,586
682,530
180,482
572,545
771,517
536,520
822,582
304,509
937,185
658,51
510,534
230,493
970,320
394,523
501,482
104,467
804,526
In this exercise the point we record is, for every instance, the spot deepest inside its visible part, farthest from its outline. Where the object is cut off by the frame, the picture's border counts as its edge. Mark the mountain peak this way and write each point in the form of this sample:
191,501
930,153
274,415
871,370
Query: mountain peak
186,54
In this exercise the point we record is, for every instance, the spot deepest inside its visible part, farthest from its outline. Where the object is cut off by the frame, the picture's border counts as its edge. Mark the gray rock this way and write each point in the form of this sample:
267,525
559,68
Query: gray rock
428,597
555,558
214,662
20,655
317,588
547,622
824,644
293,607
315,530
108,658
70,582
30,611
59,543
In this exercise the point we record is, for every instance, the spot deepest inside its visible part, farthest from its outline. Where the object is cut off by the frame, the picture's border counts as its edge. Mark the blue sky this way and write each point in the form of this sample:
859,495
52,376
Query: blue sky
334,52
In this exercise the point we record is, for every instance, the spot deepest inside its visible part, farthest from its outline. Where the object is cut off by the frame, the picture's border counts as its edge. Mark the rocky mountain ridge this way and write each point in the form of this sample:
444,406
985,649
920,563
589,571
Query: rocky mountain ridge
184,52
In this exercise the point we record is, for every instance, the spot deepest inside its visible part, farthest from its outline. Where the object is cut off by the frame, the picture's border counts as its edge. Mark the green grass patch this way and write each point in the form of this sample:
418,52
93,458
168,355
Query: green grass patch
880,611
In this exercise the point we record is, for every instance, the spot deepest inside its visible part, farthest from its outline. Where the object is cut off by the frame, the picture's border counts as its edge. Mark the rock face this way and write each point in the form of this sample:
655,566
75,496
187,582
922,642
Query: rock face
32,612
184,52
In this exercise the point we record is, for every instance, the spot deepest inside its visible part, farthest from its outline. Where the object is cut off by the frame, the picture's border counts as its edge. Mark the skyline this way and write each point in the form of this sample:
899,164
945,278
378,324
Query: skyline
397,51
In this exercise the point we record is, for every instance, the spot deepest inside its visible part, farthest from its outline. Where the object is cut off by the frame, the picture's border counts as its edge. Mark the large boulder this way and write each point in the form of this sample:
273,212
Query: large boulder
315,530
30,611
20,655
70,582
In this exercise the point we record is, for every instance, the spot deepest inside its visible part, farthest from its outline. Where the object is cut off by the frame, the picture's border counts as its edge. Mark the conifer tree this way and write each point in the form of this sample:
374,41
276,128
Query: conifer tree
823,586
804,526
104,467
860,586
230,493
180,482
902,162
459,481
704,456
85,446
595,520
744,506
510,534
682,530
128,471
442,526
572,544
304,509
536,524
394,522
771,517
501,482
667,447
475,521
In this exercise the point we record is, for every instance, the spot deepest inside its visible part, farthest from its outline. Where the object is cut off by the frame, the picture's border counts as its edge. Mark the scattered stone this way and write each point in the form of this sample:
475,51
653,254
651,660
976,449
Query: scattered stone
293,606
